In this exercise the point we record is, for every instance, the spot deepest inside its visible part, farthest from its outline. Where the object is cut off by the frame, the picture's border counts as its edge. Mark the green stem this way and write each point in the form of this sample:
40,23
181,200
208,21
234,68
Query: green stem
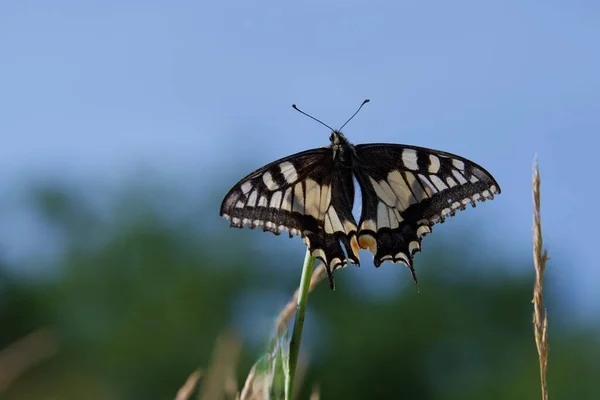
307,271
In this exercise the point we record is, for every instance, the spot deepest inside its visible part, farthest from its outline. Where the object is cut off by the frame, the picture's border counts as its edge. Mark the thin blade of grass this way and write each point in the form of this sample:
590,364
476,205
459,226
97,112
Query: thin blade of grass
264,379
307,271
286,314
267,376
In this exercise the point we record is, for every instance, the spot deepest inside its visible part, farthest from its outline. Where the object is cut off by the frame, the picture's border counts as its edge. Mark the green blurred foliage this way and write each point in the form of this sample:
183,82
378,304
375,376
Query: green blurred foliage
138,300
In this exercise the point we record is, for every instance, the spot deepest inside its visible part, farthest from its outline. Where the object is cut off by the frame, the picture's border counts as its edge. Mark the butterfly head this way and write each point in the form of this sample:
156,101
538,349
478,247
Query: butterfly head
337,138
339,144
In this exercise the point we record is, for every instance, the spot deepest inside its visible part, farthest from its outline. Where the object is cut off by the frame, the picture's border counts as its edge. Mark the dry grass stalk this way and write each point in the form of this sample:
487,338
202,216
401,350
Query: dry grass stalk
257,386
186,391
231,385
286,314
224,359
540,319
316,393
24,354
220,380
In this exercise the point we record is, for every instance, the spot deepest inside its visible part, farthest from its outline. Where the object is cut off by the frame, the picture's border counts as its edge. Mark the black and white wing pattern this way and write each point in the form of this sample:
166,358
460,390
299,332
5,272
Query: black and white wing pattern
407,189
307,194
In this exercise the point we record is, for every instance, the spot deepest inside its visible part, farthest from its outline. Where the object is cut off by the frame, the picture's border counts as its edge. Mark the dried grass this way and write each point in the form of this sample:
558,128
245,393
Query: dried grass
540,319
219,381
316,393
186,391
24,354
221,373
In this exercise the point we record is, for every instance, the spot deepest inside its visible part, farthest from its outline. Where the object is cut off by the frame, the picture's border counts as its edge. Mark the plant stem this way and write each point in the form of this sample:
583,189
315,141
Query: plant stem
307,270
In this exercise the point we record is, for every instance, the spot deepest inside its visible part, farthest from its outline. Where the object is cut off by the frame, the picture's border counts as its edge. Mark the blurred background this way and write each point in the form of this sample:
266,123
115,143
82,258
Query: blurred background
124,123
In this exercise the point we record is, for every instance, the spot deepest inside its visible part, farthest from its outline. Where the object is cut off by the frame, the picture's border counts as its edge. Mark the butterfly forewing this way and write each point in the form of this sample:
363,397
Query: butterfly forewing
407,189
305,194
272,197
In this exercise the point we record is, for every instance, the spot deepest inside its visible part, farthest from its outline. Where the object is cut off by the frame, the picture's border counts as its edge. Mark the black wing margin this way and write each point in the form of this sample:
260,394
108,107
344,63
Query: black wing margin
305,195
406,190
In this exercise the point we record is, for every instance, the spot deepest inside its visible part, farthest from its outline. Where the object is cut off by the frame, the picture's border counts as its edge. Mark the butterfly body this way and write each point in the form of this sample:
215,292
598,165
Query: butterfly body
405,191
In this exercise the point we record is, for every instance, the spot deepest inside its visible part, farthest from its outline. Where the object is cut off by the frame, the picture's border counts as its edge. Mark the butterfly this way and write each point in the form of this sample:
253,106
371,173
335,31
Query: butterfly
405,191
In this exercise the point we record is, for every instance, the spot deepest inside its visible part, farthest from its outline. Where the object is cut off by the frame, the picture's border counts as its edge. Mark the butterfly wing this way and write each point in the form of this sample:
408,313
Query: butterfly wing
406,190
306,194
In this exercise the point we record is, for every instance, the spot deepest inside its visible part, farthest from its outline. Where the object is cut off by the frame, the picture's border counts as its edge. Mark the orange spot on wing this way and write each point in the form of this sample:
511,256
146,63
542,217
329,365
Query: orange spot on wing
368,242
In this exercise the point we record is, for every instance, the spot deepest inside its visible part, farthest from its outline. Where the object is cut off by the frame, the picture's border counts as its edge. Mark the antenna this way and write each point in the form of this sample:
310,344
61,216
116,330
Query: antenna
350,119
311,117
295,107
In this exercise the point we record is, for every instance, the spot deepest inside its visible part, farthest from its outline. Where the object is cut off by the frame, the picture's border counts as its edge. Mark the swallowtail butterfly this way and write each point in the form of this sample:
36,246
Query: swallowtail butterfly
405,191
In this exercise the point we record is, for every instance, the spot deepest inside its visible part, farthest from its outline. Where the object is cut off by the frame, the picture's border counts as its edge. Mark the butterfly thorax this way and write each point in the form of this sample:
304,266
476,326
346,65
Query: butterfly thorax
343,150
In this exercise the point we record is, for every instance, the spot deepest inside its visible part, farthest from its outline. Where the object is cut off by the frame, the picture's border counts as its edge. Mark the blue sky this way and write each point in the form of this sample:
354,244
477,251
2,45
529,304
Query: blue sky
92,89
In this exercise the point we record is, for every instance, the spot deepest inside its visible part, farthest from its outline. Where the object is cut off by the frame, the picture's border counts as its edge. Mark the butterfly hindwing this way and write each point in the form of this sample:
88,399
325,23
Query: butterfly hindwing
305,194
407,189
